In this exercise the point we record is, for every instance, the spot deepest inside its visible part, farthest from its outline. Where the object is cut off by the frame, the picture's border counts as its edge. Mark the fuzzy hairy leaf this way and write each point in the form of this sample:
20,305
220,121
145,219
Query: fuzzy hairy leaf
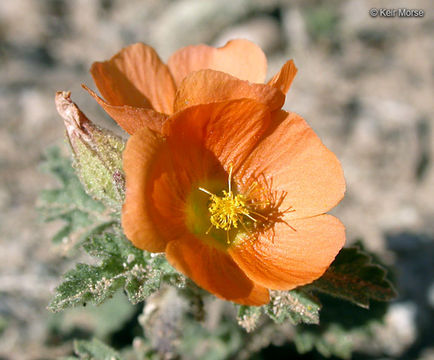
248,316
353,277
94,349
297,306
121,266
86,283
69,202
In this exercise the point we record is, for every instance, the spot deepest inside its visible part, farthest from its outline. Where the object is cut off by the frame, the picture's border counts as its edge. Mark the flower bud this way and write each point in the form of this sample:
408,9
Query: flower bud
97,154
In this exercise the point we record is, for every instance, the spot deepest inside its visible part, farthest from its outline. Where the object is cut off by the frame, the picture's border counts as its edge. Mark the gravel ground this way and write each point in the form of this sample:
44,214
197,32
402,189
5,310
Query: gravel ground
364,84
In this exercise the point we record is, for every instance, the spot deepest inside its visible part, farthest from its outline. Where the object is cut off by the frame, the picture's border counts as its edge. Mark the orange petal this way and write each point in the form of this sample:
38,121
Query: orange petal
240,58
135,76
207,86
202,142
229,130
168,186
214,270
131,118
137,223
293,162
257,297
283,79
291,254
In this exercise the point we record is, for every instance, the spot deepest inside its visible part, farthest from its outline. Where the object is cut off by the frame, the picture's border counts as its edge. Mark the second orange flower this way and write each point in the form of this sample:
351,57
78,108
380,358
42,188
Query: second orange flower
140,90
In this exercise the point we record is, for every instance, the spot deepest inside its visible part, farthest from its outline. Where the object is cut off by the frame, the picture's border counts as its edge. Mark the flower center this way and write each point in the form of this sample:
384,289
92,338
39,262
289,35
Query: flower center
228,210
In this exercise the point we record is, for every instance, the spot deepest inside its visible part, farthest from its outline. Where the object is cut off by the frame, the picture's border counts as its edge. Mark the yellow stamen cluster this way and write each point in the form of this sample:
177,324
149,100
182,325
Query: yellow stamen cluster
227,211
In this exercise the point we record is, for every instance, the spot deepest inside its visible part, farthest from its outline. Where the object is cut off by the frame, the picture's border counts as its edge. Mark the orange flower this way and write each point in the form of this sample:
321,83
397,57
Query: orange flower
140,90
235,194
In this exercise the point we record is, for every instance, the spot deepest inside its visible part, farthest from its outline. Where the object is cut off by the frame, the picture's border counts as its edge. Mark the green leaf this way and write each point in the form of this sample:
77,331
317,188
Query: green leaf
86,283
121,266
248,316
94,349
353,277
69,202
297,306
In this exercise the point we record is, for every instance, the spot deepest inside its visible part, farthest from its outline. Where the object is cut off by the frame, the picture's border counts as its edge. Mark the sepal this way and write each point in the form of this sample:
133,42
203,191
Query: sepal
97,154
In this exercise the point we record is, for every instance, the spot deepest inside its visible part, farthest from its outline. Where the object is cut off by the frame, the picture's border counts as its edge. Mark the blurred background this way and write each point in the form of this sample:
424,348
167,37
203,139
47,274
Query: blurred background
364,84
